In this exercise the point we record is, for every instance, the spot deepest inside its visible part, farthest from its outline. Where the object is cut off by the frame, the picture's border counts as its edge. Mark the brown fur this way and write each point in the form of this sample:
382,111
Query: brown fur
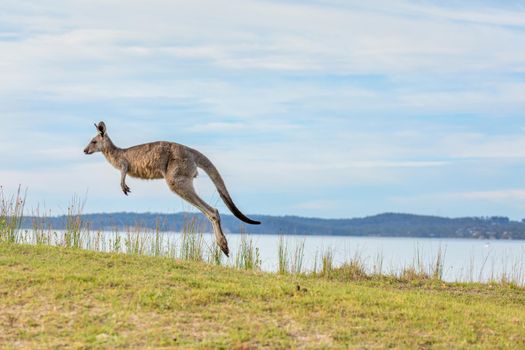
175,163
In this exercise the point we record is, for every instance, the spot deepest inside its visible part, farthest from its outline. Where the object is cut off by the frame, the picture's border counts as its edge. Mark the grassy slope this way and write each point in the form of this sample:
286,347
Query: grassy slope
57,298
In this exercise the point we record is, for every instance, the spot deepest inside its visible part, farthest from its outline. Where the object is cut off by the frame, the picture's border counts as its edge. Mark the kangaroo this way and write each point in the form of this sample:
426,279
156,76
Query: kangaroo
175,163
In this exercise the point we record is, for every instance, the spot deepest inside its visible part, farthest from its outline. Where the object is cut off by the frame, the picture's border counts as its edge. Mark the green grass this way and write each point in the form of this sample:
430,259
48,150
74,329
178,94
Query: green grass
59,298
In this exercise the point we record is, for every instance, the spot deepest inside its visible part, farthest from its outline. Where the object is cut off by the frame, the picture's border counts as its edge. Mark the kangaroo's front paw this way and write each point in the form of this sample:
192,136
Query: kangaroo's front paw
125,189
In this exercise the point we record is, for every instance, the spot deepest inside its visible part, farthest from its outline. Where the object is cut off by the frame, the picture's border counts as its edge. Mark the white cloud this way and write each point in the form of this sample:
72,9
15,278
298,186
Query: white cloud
497,196
252,126
483,145
489,15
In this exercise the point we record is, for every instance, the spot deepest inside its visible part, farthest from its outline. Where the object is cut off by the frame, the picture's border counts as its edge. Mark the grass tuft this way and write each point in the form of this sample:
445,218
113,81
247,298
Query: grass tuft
11,215
74,234
350,271
192,241
282,255
248,257
327,263
215,254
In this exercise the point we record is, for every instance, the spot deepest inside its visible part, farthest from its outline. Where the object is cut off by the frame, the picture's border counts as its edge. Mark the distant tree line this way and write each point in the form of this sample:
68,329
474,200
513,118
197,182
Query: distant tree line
382,225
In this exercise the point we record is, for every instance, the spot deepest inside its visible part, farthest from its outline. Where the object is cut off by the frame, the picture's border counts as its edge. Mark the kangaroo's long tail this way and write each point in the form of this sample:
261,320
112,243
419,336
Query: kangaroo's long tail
205,164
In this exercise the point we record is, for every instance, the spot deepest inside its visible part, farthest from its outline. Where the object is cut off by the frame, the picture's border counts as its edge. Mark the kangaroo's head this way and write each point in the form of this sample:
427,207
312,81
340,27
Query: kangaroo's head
99,142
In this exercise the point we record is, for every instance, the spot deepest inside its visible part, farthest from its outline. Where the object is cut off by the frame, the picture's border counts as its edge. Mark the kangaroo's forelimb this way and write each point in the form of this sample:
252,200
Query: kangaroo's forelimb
124,166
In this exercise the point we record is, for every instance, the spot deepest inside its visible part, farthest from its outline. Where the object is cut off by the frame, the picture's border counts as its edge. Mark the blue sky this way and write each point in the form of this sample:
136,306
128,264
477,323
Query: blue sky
314,108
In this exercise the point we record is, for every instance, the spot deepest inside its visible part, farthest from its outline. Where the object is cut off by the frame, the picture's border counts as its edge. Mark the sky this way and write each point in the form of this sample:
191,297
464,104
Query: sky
328,109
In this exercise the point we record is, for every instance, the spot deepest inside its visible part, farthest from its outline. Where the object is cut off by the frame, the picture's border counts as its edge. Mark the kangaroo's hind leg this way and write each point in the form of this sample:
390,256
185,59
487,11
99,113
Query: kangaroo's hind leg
183,186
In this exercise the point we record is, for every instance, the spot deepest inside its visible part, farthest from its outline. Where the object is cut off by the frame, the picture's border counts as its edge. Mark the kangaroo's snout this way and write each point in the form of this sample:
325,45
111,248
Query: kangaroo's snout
86,151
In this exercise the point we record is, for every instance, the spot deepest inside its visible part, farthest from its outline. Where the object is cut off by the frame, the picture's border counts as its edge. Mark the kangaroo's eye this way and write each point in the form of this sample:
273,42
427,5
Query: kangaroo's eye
93,142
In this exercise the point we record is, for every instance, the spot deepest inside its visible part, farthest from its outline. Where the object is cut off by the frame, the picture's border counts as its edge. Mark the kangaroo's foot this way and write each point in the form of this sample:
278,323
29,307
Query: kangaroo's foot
219,235
222,243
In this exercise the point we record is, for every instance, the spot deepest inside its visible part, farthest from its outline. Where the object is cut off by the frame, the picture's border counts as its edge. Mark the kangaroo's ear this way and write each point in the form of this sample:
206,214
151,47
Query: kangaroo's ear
101,127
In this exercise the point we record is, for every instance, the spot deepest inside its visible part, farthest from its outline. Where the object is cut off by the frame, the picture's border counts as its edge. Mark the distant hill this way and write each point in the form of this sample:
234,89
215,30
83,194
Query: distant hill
383,225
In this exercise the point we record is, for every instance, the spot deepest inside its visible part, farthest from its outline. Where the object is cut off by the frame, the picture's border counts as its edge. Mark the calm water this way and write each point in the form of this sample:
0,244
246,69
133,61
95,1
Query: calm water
464,259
